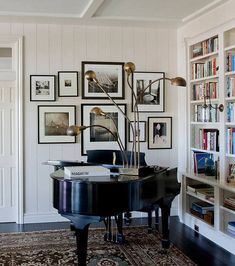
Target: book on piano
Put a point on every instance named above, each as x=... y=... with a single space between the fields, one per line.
x=85 y=171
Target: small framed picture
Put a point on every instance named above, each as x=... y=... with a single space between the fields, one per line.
x=142 y=130
x=150 y=97
x=110 y=76
x=68 y=83
x=42 y=88
x=96 y=137
x=159 y=132
x=53 y=121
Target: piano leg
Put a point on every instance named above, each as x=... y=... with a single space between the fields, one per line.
x=165 y=206
x=82 y=238
x=157 y=218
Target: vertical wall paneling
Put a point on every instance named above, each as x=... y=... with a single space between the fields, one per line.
x=67 y=45
x=52 y=48
x=104 y=36
x=30 y=118
x=92 y=43
x=1 y=187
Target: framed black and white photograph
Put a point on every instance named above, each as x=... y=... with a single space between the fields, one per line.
x=68 y=83
x=53 y=121
x=159 y=132
x=142 y=131
x=150 y=97
x=110 y=76
x=42 y=88
x=98 y=135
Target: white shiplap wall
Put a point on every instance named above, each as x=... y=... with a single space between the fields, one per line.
x=50 y=48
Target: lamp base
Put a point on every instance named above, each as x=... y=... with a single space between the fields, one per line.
x=141 y=171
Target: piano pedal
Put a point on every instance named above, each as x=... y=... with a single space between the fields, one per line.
x=127 y=218
x=108 y=237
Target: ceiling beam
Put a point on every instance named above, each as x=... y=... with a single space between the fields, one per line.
x=91 y=8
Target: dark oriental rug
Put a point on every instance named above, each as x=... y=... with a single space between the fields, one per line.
x=58 y=247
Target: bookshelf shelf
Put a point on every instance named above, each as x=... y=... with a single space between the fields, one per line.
x=216 y=82
x=198 y=197
x=231 y=47
x=204 y=56
x=203 y=79
x=227 y=210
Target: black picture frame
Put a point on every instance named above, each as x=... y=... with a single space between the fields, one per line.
x=87 y=137
x=109 y=74
x=42 y=88
x=67 y=83
x=53 y=121
x=142 y=127
x=153 y=99
x=160 y=132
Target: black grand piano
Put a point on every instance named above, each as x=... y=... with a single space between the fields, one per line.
x=92 y=199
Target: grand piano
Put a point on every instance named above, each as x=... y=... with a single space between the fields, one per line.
x=92 y=199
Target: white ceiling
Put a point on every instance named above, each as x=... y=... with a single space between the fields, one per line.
x=163 y=13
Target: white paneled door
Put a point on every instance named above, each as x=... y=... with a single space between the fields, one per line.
x=8 y=165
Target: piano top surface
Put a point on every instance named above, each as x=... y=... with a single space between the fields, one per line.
x=112 y=178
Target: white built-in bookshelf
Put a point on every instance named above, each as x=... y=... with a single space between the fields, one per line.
x=208 y=186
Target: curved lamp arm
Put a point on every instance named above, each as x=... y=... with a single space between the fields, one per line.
x=76 y=130
x=99 y=112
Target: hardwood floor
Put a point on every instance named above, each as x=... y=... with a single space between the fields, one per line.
x=201 y=250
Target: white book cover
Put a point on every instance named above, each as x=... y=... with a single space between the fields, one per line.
x=85 y=171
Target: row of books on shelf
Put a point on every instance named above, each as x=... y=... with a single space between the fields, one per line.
x=203 y=210
x=202 y=114
x=231 y=112
x=208 y=139
x=231 y=228
x=205 y=69
x=230 y=140
x=205 y=47
x=202 y=191
x=230 y=61
x=205 y=90
x=230 y=86
x=229 y=202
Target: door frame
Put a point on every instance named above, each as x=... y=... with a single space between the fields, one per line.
x=16 y=43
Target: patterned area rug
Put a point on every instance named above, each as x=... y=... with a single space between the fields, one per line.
x=58 y=247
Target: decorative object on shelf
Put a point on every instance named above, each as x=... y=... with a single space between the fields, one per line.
x=129 y=68
x=42 y=88
x=98 y=138
x=142 y=131
x=150 y=96
x=110 y=76
x=53 y=121
x=67 y=83
x=207 y=103
x=159 y=132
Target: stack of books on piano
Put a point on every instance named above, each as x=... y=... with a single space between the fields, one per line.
x=203 y=210
x=230 y=203
x=202 y=191
x=231 y=228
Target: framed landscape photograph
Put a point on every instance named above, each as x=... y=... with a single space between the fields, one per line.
x=100 y=138
x=110 y=76
x=68 y=83
x=142 y=129
x=159 y=132
x=150 y=97
x=42 y=88
x=53 y=121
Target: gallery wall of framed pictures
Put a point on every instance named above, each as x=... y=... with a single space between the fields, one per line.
x=53 y=120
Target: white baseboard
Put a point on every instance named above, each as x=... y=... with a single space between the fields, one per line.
x=51 y=217
x=43 y=218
